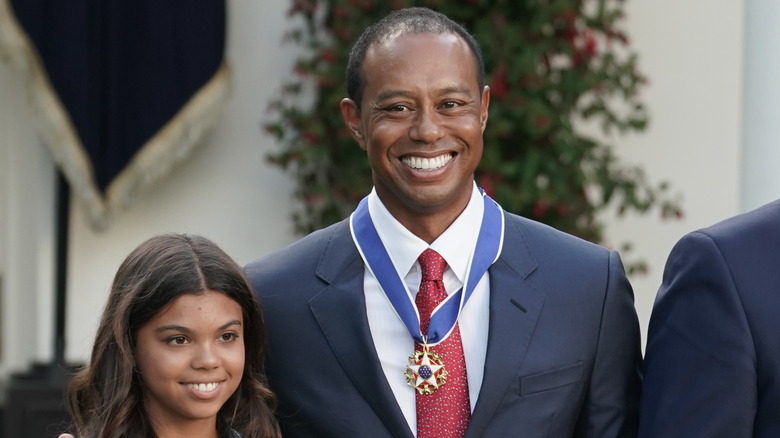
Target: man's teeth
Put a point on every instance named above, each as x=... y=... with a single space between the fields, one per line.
x=427 y=163
x=203 y=387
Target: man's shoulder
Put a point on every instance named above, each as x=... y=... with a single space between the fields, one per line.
x=303 y=252
x=542 y=235
x=760 y=226
x=533 y=246
x=766 y=217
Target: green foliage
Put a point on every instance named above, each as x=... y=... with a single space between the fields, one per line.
x=552 y=65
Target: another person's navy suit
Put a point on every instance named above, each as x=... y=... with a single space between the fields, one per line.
x=713 y=352
x=561 y=351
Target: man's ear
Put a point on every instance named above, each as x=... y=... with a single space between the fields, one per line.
x=351 y=115
x=483 y=108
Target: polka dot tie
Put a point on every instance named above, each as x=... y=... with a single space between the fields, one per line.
x=446 y=412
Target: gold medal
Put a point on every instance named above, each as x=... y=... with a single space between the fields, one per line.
x=425 y=371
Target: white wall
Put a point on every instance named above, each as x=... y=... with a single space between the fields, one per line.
x=26 y=232
x=761 y=154
x=691 y=51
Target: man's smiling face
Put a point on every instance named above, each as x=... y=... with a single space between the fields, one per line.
x=421 y=121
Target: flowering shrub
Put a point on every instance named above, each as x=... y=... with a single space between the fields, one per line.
x=552 y=65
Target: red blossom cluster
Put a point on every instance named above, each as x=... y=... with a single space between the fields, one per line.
x=547 y=63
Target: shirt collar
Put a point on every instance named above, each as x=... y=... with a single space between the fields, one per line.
x=456 y=243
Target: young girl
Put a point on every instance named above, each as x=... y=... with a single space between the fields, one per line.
x=179 y=350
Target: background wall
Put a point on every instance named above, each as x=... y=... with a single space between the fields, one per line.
x=26 y=231
x=693 y=52
x=761 y=152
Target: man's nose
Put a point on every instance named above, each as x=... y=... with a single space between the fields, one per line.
x=427 y=126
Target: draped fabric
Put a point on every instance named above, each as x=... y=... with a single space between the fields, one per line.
x=123 y=89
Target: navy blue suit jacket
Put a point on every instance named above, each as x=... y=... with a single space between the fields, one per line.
x=563 y=356
x=713 y=353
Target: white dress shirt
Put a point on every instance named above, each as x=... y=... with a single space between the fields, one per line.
x=392 y=340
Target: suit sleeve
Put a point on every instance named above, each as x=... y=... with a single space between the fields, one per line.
x=700 y=374
x=612 y=403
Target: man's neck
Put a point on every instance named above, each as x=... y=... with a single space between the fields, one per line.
x=427 y=227
x=427 y=223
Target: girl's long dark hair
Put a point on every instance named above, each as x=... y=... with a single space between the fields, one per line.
x=105 y=398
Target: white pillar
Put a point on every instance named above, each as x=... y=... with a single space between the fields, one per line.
x=26 y=232
x=761 y=116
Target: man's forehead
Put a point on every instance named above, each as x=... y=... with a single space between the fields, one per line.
x=418 y=48
x=390 y=40
x=414 y=61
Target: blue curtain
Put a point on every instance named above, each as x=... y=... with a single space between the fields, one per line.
x=123 y=70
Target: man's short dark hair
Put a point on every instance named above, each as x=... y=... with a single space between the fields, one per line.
x=400 y=22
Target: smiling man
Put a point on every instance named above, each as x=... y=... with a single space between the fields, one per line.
x=431 y=312
x=420 y=118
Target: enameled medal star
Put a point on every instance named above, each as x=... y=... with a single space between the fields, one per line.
x=425 y=372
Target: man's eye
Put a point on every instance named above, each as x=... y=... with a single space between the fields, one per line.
x=449 y=104
x=397 y=108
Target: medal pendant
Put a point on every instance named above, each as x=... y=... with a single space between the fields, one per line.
x=425 y=371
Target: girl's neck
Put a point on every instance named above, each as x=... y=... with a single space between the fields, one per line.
x=206 y=428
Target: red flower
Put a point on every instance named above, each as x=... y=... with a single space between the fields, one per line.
x=539 y=210
x=302 y=6
x=328 y=56
x=542 y=122
x=589 y=48
x=487 y=182
x=499 y=86
x=339 y=12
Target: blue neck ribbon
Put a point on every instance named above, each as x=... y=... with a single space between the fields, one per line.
x=445 y=316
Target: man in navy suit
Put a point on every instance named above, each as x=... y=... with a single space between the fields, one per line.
x=546 y=321
x=713 y=351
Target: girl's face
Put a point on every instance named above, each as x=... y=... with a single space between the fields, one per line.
x=190 y=358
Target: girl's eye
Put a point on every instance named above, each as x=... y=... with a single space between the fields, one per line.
x=227 y=337
x=177 y=340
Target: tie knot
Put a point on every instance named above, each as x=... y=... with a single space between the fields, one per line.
x=432 y=265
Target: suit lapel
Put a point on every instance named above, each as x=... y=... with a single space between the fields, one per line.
x=514 y=310
x=340 y=312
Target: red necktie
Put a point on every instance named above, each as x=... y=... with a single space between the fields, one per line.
x=446 y=412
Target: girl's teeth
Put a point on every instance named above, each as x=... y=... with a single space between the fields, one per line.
x=203 y=387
